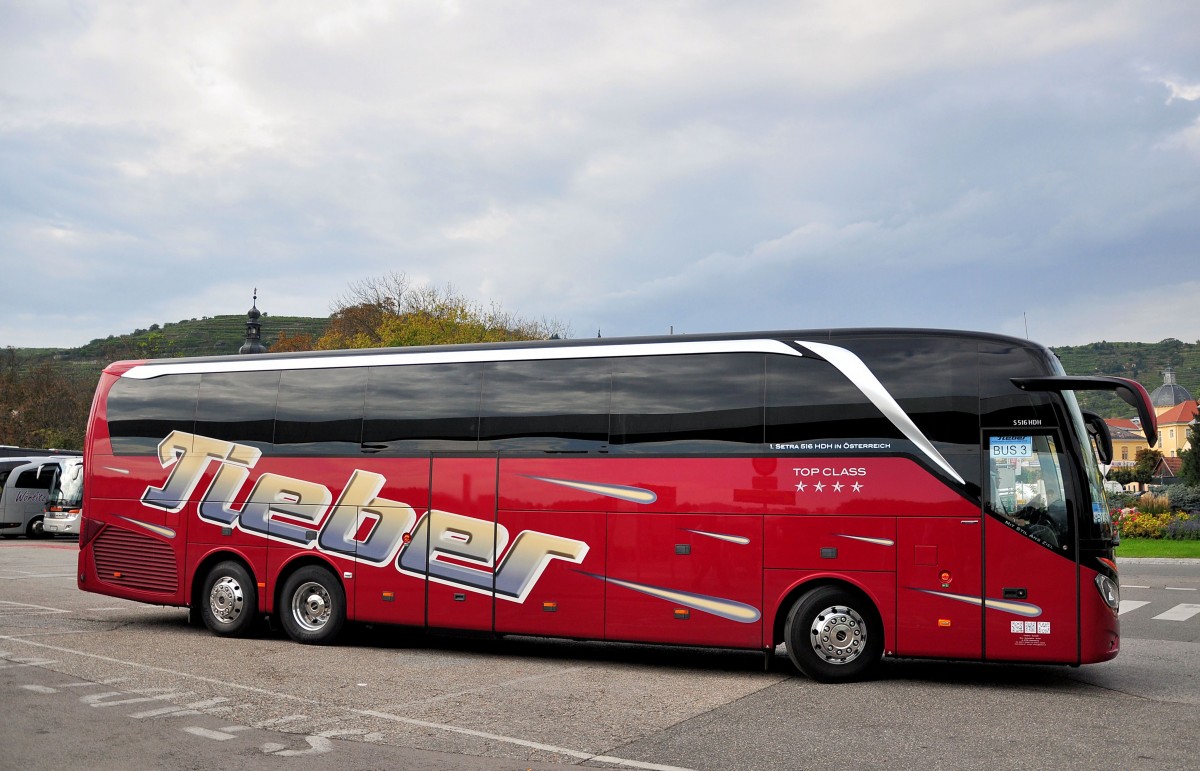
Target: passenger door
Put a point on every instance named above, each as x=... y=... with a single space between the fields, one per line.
x=1030 y=576
x=455 y=543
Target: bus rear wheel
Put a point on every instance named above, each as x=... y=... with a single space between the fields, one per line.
x=314 y=606
x=833 y=635
x=229 y=601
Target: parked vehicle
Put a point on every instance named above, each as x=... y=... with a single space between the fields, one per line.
x=26 y=490
x=851 y=493
x=65 y=503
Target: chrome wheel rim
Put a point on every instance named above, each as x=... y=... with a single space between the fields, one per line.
x=839 y=634
x=311 y=606
x=226 y=600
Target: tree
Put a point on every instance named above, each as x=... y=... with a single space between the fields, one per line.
x=1147 y=464
x=1190 y=470
x=297 y=342
x=44 y=406
x=391 y=311
x=1122 y=476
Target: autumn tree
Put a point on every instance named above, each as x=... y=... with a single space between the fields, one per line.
x=1190 y=470
x=391 y=311
x=293 y=343
x=1147 y=464
x=43 y=406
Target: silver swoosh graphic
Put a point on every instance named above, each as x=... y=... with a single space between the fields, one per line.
x=717 y=606
x=165 y=532
x=740 y=540
x=620 y=492
x=861 y=376
x=1008 y=606
x=865 y=539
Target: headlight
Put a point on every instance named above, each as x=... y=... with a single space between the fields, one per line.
x=1109 y=591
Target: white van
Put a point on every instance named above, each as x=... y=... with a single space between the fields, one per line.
x=26 y=490
x=65 y=504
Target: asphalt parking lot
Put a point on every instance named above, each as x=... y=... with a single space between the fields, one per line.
x=149 y=687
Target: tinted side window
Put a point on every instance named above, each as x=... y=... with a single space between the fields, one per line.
x=320 y=411
x=549 y=406
x=238 y=407
x=421 y=408
x=36 y=479
x=142 y=412
x=810 y=400
x=688 y=403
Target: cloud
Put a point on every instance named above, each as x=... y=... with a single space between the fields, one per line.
x=624 y=166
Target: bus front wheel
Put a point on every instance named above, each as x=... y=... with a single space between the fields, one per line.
x=833 y=635
x=314 y=606
x=229 y=601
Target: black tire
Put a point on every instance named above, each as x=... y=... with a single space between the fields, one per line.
x=313 y=606
x=36 y=529
x=229 y=600
x=833 y=635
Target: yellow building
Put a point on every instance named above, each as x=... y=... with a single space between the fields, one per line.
x=1175 y=410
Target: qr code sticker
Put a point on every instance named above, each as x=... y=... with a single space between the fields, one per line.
x=1043 y=627
x=1016 y=627
x=1030 y=627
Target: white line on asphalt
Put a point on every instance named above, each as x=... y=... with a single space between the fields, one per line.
x=279 y=721
x=521 y=742
x=1180 y=588
x=40 y=688
x=502 y=685
x=1181 y=612
x=209 y=734
x=1133 y=586
x=5 y=604
x=290 y=697
x=1128 y=605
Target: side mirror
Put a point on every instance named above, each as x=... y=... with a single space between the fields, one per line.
x=1098 y=432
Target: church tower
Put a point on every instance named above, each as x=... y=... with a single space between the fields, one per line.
x=253 y=342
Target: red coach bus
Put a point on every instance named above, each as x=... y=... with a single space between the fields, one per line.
x=851 y=493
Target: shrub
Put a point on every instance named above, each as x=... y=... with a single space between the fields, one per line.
x=1185 y=527
x=1132 y=523
x=1154 y=503
x=1185 y=497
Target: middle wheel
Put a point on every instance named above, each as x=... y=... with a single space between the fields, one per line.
x=314 y=606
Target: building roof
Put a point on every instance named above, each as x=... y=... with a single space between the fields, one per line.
x=1184 y=413
x=1124 y=429
x=1169 y=393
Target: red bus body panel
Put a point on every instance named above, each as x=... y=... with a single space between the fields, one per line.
x=691 y=550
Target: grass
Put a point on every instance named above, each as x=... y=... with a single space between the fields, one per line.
x=1158 y=547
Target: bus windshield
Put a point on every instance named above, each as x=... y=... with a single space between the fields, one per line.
x=66 y=489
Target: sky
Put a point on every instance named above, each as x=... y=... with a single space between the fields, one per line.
x=627 y=168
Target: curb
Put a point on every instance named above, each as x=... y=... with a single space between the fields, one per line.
x=1157 y=561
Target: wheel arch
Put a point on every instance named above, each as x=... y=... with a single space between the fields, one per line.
x=805 y=585
x=213 y=558
x=308 y=559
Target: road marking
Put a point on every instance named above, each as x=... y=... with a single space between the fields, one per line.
x=386 y=716
x=206 y=733
x=317 y=745
x=164 y=711
x=1128 y=605
x=521 y=742
x=1181 y=612
x=18 y=607
x=1180 y=588
x=40 y=688
x=1133 y=586
x=279 y=721
x=99 y=699
x=27 y=663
